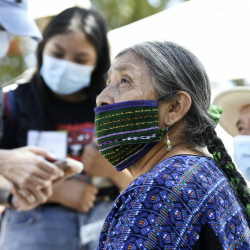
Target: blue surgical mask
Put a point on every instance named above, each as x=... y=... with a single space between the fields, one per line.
x=5 y=38
x=64 y=77
x=242 y=154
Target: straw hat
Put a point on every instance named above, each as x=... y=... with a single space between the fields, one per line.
x=232 y=101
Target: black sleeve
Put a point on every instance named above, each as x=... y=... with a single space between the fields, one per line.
x=208 y=240
x=8 y=140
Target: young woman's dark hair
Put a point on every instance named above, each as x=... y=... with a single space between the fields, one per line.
x=93 y=25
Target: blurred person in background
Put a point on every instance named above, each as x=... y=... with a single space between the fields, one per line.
x=236 y=122
x=22 y=166
x=72 y=60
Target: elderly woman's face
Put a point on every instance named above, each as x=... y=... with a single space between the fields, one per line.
x=128 y=79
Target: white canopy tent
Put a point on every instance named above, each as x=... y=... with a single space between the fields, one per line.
x=44 y=8
x=216 y=31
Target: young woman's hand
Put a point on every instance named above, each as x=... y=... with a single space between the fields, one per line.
x=75 y=194
x=24 y=204
x=26 y=169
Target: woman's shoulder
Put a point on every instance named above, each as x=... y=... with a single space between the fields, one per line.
x=182 y=192
x=192 y=179
x=181 y=169
x=184 y=177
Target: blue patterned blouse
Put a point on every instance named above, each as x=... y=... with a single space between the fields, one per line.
x=173 y=206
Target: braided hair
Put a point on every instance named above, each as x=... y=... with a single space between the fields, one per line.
x=172 y=69
x=216 y=147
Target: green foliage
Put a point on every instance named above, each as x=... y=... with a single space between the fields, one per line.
x=11 y=66
x=122 y=12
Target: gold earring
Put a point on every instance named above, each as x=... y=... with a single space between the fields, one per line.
x=171 y=123
x=169 y=147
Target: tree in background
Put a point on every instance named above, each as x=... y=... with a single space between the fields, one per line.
x=21 y=55
x=13 y=64
x=122 y=12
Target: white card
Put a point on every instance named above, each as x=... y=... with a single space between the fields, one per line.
x=53 y=141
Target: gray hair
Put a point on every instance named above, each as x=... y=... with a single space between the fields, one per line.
x=174 y=69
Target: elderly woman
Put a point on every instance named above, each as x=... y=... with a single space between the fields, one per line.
x=154 y=118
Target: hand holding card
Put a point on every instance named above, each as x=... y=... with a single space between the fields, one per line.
x=69 y=167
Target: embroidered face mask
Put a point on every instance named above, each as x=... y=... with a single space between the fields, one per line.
x=126 y=131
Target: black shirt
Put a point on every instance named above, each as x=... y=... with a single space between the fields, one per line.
x=24 y=111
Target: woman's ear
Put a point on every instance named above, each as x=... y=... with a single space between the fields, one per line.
x=176 y=109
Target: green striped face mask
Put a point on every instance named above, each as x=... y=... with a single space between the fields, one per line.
x=126 y=131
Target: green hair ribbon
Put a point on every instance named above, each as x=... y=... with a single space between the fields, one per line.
x=247 y=193
x=230 y=166
x=215 y=113
x=235 y=182
x=248 y=210
x=217 y=156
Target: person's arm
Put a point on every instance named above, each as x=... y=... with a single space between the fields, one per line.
x=13 y=198
x=96 y=165
x=32 y=175
x=22 y=166
x=25 y=168
x=120 y=179
x=75 y=194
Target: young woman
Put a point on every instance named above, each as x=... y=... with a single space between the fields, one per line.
x=72 y=59
x=154 y=118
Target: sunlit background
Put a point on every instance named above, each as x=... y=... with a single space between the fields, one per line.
x=215 y=30
x=118 y=13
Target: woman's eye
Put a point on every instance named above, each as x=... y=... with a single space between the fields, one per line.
x=124 y=80
x=240 y=129
x=57 y=54
x=81 y=61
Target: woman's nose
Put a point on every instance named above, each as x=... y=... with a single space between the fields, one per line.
x=106 y=97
